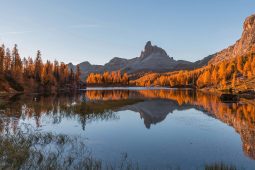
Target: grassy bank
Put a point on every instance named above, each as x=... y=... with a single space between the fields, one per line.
x=51 y=152
x=47 y=151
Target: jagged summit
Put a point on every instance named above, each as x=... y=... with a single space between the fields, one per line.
x=249 y=22
x=148 y=45
x=152 y=58
x=149 y=50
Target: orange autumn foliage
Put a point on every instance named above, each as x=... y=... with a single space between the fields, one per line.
x=219 y=75
x=34 y=73
x=108 y=78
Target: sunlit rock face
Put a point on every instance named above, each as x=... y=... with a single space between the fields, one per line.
x=243 y=46
x=248 y=37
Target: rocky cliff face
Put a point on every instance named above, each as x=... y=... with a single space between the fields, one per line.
x=153 y=50
x=243 y=46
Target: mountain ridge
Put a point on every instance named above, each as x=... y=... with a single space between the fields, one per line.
x=230 y=69
x=151 y=59
x=242 y=46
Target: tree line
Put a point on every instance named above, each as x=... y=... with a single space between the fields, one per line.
x=34 y=74
x=108 y=78
x=227 y=73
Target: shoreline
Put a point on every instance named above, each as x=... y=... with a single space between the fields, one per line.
x=245 y=94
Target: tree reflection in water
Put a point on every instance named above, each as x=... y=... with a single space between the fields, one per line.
x=153 y=106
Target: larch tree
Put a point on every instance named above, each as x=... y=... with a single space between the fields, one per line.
x=247 y=68
x=222 y=74
x=30 y=68
x=233 y=81
x=214 y=77
x=71 y=76
x=56 y=71
x=240 y=64
x=25 y=67
x=17 y=63
x=38 y=67
x=106 y=77
x=7 y=61
x=207 y=77
x=78 y=75
x=2 y=57
x=125 y=79
x=47 y=76
x=253 y=66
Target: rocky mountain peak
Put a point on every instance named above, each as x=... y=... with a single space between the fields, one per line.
x=148 y=46
x=243 y=46
x=249 y=23
x=149 y=50
x=247 y=41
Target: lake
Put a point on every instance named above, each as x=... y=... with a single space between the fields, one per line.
x=143 y=127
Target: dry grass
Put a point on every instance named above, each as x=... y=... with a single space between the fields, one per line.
x=47 y=151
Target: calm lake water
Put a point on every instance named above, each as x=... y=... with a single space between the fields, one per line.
x=154 y=128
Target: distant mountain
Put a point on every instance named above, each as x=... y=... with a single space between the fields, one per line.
x=154 y=59
x=87 y=68
x=151 y=59
x=115 y=64
x=243 y=46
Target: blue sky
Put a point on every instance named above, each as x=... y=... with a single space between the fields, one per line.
x=96 y=31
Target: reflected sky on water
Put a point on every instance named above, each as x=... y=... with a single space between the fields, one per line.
x=160 y=128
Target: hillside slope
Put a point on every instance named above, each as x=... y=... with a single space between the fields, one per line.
x=243 y=46
x=232 y=68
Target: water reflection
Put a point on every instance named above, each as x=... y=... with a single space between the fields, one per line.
x=152 y=105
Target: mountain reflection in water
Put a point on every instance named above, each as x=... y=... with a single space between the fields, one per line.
x=152 y=105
